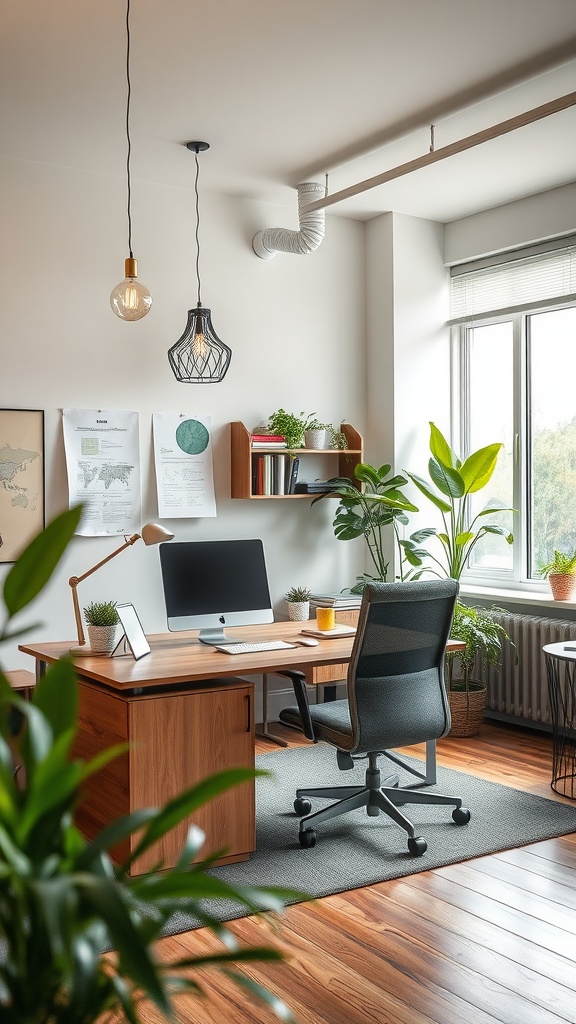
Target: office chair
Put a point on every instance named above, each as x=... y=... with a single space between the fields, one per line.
x=396 y=697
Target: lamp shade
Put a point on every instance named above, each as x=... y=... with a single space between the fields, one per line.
x=199 y=357
x=152 y=533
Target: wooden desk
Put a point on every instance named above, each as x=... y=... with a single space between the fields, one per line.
x=184 y=718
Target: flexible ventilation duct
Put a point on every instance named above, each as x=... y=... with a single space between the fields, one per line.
x=267 y=243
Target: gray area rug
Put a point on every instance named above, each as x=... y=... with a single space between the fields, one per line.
x=355 y=850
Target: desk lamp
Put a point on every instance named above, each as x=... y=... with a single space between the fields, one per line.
x=152 y=533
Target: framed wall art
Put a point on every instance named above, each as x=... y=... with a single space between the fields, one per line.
x=22 y=510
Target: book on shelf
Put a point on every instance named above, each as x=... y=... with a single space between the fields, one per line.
x=292 y=464
x=268 y=441
x=273 y=472
x=315 y=487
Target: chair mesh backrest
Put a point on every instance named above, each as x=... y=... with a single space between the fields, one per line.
x=395 y=679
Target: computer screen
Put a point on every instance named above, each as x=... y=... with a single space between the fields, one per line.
x=211 y=584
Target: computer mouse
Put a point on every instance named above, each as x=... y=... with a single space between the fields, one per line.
x=305 y=641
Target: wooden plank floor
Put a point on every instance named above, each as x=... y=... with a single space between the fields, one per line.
x=489 y=940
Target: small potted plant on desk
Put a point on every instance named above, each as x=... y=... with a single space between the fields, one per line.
x=298 y=600
x=102 y=620
x=561 y=575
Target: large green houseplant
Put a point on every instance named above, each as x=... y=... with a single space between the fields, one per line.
x=369 y=513
x=452 y=481
x=62 y=899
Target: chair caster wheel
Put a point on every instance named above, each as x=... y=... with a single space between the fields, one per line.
x=417 y=846
x=302 y=806
x=461 y=815
x=307 y=838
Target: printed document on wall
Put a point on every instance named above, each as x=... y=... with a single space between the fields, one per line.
x=103 y=464
x=183 y=461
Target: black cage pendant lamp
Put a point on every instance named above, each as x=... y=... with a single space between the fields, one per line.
x=130 y=300
x=199 y=357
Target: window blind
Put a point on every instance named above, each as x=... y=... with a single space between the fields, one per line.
x=521 y=281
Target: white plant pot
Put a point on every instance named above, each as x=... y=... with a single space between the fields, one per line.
x=317 y=439
x=102 y=639
x=298 y=611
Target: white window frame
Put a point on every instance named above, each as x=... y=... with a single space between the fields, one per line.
x=516 y=578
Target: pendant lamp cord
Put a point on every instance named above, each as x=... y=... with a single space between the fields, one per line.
x=197 y=227
x=128 y=140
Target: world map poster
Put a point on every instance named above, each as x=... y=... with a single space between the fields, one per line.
x=21 y=479
x=103 y=466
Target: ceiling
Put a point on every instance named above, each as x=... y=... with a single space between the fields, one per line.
x=290 y=90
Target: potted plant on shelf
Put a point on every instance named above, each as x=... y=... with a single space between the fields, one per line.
x=62 y=899
x=298 y=600
x=291 y=425
x=102 y=620
x=561 y=575
x=324 y=435
x=453 y=480
x=369 y=513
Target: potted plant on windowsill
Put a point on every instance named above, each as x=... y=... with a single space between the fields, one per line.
x=453 y=480
x=560 y=572
x=62 y=899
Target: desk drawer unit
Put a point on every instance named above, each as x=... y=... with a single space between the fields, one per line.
x=176 y=739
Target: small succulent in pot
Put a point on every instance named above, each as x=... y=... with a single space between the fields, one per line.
x=101 y=613
x=297 y=594
x=298 y=599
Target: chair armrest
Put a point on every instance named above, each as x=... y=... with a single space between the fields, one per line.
x=298 y=680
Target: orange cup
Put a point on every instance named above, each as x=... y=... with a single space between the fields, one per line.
x=325 y=618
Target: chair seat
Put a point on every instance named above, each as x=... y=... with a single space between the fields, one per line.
x=331 y=721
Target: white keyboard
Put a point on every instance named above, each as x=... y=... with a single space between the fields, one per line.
x=266 y=645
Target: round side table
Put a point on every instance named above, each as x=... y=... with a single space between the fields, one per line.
x=561 y=670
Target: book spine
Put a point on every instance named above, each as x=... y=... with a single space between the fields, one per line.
x=279 y=474
x=292 y=474
x=267 y=486
x=258 y=474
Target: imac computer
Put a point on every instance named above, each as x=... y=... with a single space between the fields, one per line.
x=210 y=584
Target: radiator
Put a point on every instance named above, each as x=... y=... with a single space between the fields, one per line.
x=519 y=689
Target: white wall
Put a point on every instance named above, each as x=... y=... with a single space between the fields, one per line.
x=295 y=325
x=408 y=382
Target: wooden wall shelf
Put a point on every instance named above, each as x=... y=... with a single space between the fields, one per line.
x=343 y=460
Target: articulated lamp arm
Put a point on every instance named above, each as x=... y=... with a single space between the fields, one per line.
x=75 y=580
x=152 y=533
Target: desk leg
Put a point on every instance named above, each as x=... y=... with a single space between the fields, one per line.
x=264 y=732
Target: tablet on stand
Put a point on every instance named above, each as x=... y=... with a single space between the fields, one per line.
x=134 y=636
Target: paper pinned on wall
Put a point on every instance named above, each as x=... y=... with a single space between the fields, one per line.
x=184 y=468
x=103 y=464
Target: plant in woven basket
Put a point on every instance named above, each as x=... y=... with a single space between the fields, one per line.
x=484 y=639
x=62 y=898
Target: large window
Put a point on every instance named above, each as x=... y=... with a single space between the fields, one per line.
x=515 y=354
